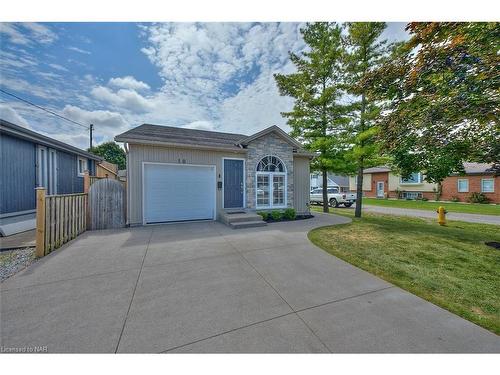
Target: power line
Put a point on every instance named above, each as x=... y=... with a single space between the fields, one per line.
x=44 y=109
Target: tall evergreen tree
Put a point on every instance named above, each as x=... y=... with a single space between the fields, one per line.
x=364 y=53
x=317 y=117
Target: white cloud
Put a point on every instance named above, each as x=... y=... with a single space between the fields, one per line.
x=224 y=69
x=58 y=67
x=27 y=33
x=15 y=36
x=107 y=124
x=200 y=125
x=20 y=85
x=40 y=33
x=125 y=99
x=79 y=50
x=128 y=82
x=8 y=113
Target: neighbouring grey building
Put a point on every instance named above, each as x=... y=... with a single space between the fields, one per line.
x=29 y=160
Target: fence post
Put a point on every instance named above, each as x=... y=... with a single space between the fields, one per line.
x=86 y=189
x=86 y=182
x=40 y=222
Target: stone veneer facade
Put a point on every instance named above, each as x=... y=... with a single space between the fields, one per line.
x=270 y=144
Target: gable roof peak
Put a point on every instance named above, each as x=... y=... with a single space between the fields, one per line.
x=271 y=129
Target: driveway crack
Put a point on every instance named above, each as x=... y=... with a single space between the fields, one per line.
x=133 y=293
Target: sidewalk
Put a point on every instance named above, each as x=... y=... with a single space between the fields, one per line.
x=471 y=218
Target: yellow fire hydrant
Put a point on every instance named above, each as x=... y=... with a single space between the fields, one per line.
x=441 y=215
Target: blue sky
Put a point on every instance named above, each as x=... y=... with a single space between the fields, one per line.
x=215 y=76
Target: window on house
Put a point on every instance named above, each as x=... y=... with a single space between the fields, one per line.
x=270 y=164
x=487 y=185
x=463 y=185
x=414 y=178
x=82 y=166
x=271 y=182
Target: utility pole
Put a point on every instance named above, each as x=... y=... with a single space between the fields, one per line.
x=91 y=128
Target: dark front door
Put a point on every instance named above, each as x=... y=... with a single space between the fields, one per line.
x=233 y=183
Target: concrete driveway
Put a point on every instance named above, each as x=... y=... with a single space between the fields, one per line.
x=203 y=287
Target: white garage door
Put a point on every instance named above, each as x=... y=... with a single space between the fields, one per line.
x=178 y=192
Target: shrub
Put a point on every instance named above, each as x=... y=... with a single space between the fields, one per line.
x=478 y=198
x=425 y=199
x=265 y=215
x=276 y=215
x=289 y=214
x=398 y=193
x=455 y=199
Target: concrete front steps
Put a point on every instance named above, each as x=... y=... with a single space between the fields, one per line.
x=242 y=219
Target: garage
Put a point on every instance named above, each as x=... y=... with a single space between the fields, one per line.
x=178 y=192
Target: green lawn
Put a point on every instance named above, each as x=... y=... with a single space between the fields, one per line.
x=470 y=208
x=449 y=266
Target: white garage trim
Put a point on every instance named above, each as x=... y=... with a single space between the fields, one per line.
x=213 y=167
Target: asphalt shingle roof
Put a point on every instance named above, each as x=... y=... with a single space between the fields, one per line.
x=172 y=134
x=377 y=169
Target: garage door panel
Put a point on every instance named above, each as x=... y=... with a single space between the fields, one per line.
x=178 y=192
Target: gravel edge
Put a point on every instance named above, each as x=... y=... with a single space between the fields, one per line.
x=13 y=261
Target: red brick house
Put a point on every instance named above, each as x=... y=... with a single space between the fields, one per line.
x=478 y=178
x=380 y=182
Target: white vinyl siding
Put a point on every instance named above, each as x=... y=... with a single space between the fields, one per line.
x=487 y=185
x=463 y=185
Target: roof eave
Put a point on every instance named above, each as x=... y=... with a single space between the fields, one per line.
x=20 y=132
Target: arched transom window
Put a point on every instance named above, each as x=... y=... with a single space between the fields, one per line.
x=270 y=164
x=270 y=183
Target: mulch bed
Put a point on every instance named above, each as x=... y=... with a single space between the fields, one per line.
x=298 y=217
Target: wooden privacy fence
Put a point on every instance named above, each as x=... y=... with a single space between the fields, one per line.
x=93 y=179
x=59 y=219
x=107 y=204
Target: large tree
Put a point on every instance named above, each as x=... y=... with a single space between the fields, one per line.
x=442 y=93
x=316 y=87
x=111 y=152
x=365 y=52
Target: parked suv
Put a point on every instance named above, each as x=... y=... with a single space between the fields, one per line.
x=335 y=198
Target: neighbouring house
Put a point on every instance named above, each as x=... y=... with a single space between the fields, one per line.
x=380 y=182
x=478 y=177
x=29 y=160
x=179 y=174
x=334 y=180
x=107 y=170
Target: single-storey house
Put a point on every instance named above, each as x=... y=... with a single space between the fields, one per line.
x=179 y=174
x=29 y=160
x=380 y=182
x=478 y=178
